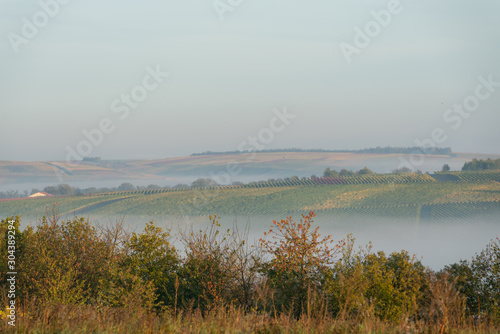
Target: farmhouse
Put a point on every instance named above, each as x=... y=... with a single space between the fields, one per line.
x=41 y=194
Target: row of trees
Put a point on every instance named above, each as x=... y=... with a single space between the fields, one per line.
x=366 y=171
x=67 y=190
x=344 y=172
x=476 y=165
x=378 y=150
x=13 y=194
x=291 y=270
x=481 y=165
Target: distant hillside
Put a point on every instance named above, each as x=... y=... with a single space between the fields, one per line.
x=245 y=168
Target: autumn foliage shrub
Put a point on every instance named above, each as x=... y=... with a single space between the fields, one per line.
x=299 y=258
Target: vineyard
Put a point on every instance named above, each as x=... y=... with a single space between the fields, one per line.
x=478 y=176
x=468 y=176
x=398 y=200
x=409 y=178
x=466 y=210
x=291 y=182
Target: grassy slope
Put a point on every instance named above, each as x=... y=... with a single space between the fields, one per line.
x=40 y=206
x=267 y=200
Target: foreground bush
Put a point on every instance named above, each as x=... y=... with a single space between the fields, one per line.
x=364 y=284
x=299 y=260
x=479 y=281
x=152 y=258
x=106 y=280
x=219 y=269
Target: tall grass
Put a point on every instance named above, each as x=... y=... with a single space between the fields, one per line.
x=60 y=318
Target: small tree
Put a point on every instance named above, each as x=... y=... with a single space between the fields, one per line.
x=365 y=171
x=60 y=190
x=299 y=258
x=201 y=183
x=446 y=168
x=155 y=260
x=402 y=170
x=215 y=269
x=344 y=172
x=479 y=281
x=126 y=186
x=330 y=173
x=486 y=269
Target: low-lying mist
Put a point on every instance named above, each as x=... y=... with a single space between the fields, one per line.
x=435 y=244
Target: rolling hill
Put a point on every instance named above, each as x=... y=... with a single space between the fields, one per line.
x=249 y=167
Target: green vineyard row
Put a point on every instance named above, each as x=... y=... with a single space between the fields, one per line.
x=468 y=176
x=349 y=180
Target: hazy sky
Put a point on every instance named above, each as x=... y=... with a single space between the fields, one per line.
x=80 y=65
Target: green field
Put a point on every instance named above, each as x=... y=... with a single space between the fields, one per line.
x=425 y=199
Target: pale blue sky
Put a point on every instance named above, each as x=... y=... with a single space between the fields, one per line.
x=227 y=76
